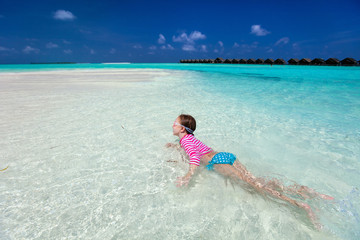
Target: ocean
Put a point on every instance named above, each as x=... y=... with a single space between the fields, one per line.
x=85 y=150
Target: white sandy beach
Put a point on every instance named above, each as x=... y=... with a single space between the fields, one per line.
x=24 y=94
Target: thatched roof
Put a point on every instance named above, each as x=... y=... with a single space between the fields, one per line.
x=235 y=61
x=279 y=61
x=269 y=61
x=332 y=61
x=348 y=62
x=219 y=60
x=293 y=61
x=251 y=61
x=210 y=60
x=259 y=61
x=318 y=61
x=242 y=61
x=228 y=60
x=305 y=61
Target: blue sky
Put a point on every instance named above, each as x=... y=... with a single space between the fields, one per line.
x=167 y=31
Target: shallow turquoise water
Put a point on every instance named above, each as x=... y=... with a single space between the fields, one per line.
x=85 y=156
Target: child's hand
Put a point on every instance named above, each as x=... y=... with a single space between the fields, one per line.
x=181 y=181
x=169 y=145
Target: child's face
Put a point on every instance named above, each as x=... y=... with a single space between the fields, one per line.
x=176 y=127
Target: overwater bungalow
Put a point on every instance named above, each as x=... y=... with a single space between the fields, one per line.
x=210 y=60
x=228 y=60
x=242 y=61
x=332 y=62
x=279 y=61
x=348 y=62
x=293 y=61
x=251 y=61
x=305 y=61
x=219 y=60
x=318 y=61
x=259 y=61
x=269 y=61
x=235 y=61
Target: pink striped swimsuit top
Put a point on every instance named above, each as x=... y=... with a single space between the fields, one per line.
x=194 y=148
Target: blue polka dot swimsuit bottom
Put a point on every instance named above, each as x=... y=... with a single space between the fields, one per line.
x=221 y=158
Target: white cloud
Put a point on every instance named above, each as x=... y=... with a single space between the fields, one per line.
x=112 y=51
x=4 y=49
x=188 y=48
x=137 y=46
x=258 y=31
x=67 y=51
x=249 y=47
x=64 y=15
x=181 y=38
x=161 y=39
x=66 y=42
x=152 y=47
x=167 y=47
x=189 y=40
x=282 y=41
x=203 y=48
x=236 y=45
x=220 y=48
x=92 y=51
x=194 y=36
x=270 y=50
x=29 y=49
x=51 y=45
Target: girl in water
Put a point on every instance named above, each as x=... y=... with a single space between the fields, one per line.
x=226 y=164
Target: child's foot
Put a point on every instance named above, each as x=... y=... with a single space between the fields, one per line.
x=326 y=197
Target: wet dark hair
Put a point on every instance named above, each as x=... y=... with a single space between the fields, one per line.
x=188 y=121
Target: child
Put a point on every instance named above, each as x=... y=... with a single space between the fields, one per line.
x=226 y=164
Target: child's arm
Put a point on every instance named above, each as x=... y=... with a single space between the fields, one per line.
x=185 y=179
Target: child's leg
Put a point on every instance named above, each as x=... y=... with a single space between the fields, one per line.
x=306 y=192
x=239 y=171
